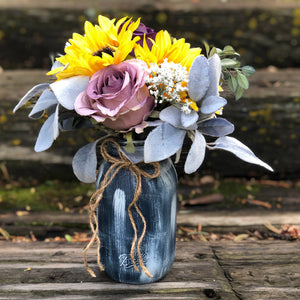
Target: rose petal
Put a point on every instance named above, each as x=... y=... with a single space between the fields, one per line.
x=82 y=105
x=131 y=118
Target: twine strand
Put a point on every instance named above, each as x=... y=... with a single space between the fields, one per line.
x=116 y=165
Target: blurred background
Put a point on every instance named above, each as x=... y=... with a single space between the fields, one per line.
x=266 y=33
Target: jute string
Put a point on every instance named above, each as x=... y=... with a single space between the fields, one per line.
x=118 y=163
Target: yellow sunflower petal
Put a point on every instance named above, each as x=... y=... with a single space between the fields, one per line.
x=100 y=46
x=164 y=47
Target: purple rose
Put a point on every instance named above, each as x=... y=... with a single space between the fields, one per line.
x=144 y=30
x=140 y=32
x=117 y=96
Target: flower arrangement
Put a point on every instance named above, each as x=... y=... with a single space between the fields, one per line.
x=126 y=79
x=132 y=83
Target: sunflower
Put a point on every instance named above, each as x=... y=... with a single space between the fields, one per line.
x=177 y=51
x=102 y=45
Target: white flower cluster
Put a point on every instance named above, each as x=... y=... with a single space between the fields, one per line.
x=185 y=107
x=165 y=82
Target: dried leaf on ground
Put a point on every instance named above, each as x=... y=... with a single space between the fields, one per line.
x=272 y=228
x=260 y=203
x=276 y=183
x=208 y=199
x=292 y=230
x=241 y=237
x=4 y=233
x=21 y=213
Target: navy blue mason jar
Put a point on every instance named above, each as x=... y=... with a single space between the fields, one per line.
x=157 y=204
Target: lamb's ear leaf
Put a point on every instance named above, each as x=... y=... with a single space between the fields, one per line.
x=196 y=154
x=85 y=163
x=190 y=119
x=171 y=115
x=162 y=142
x=198 y=82
x=212 y=104
x=48 y=133
x=240 y=150
x=216 y=127
x=215 y=70
x=67 y=90
x=46 y=100
x=31 y=93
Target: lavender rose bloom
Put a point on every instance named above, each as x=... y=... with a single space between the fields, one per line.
x=117 y=96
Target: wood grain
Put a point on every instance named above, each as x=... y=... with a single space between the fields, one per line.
x=223 y=270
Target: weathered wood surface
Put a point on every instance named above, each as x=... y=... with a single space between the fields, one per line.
x=225 y=270
x=267 y=118
x=266 y=270
x=266 y=32
x=52 y=224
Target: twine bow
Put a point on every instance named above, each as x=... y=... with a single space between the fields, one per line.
x=118 y=163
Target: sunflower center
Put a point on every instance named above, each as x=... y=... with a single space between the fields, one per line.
x=106 y=50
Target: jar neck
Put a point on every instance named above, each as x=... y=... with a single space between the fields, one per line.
x=138 y=146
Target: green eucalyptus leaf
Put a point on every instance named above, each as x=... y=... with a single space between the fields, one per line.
x=242 y=81
x=228 y=62
x=206 y=46
x=212 y=51
x=228 y=48
x=219 y=50
x=248 y=70
x=238 y=64
x=229 y=53
x=232 y=83
x=239 y=93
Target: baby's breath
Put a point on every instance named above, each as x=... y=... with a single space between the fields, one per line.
x=166 y=82
x=186 y=107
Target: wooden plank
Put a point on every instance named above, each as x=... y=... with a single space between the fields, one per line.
x=51 y=224
x=56 y=269
x=244 y=218
x=223 y=270
x=192 y=217
x=261 y=270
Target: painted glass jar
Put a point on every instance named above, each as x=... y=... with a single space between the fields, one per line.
x=155 y=251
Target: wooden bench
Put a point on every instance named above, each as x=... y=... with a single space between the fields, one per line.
x=214 y=270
